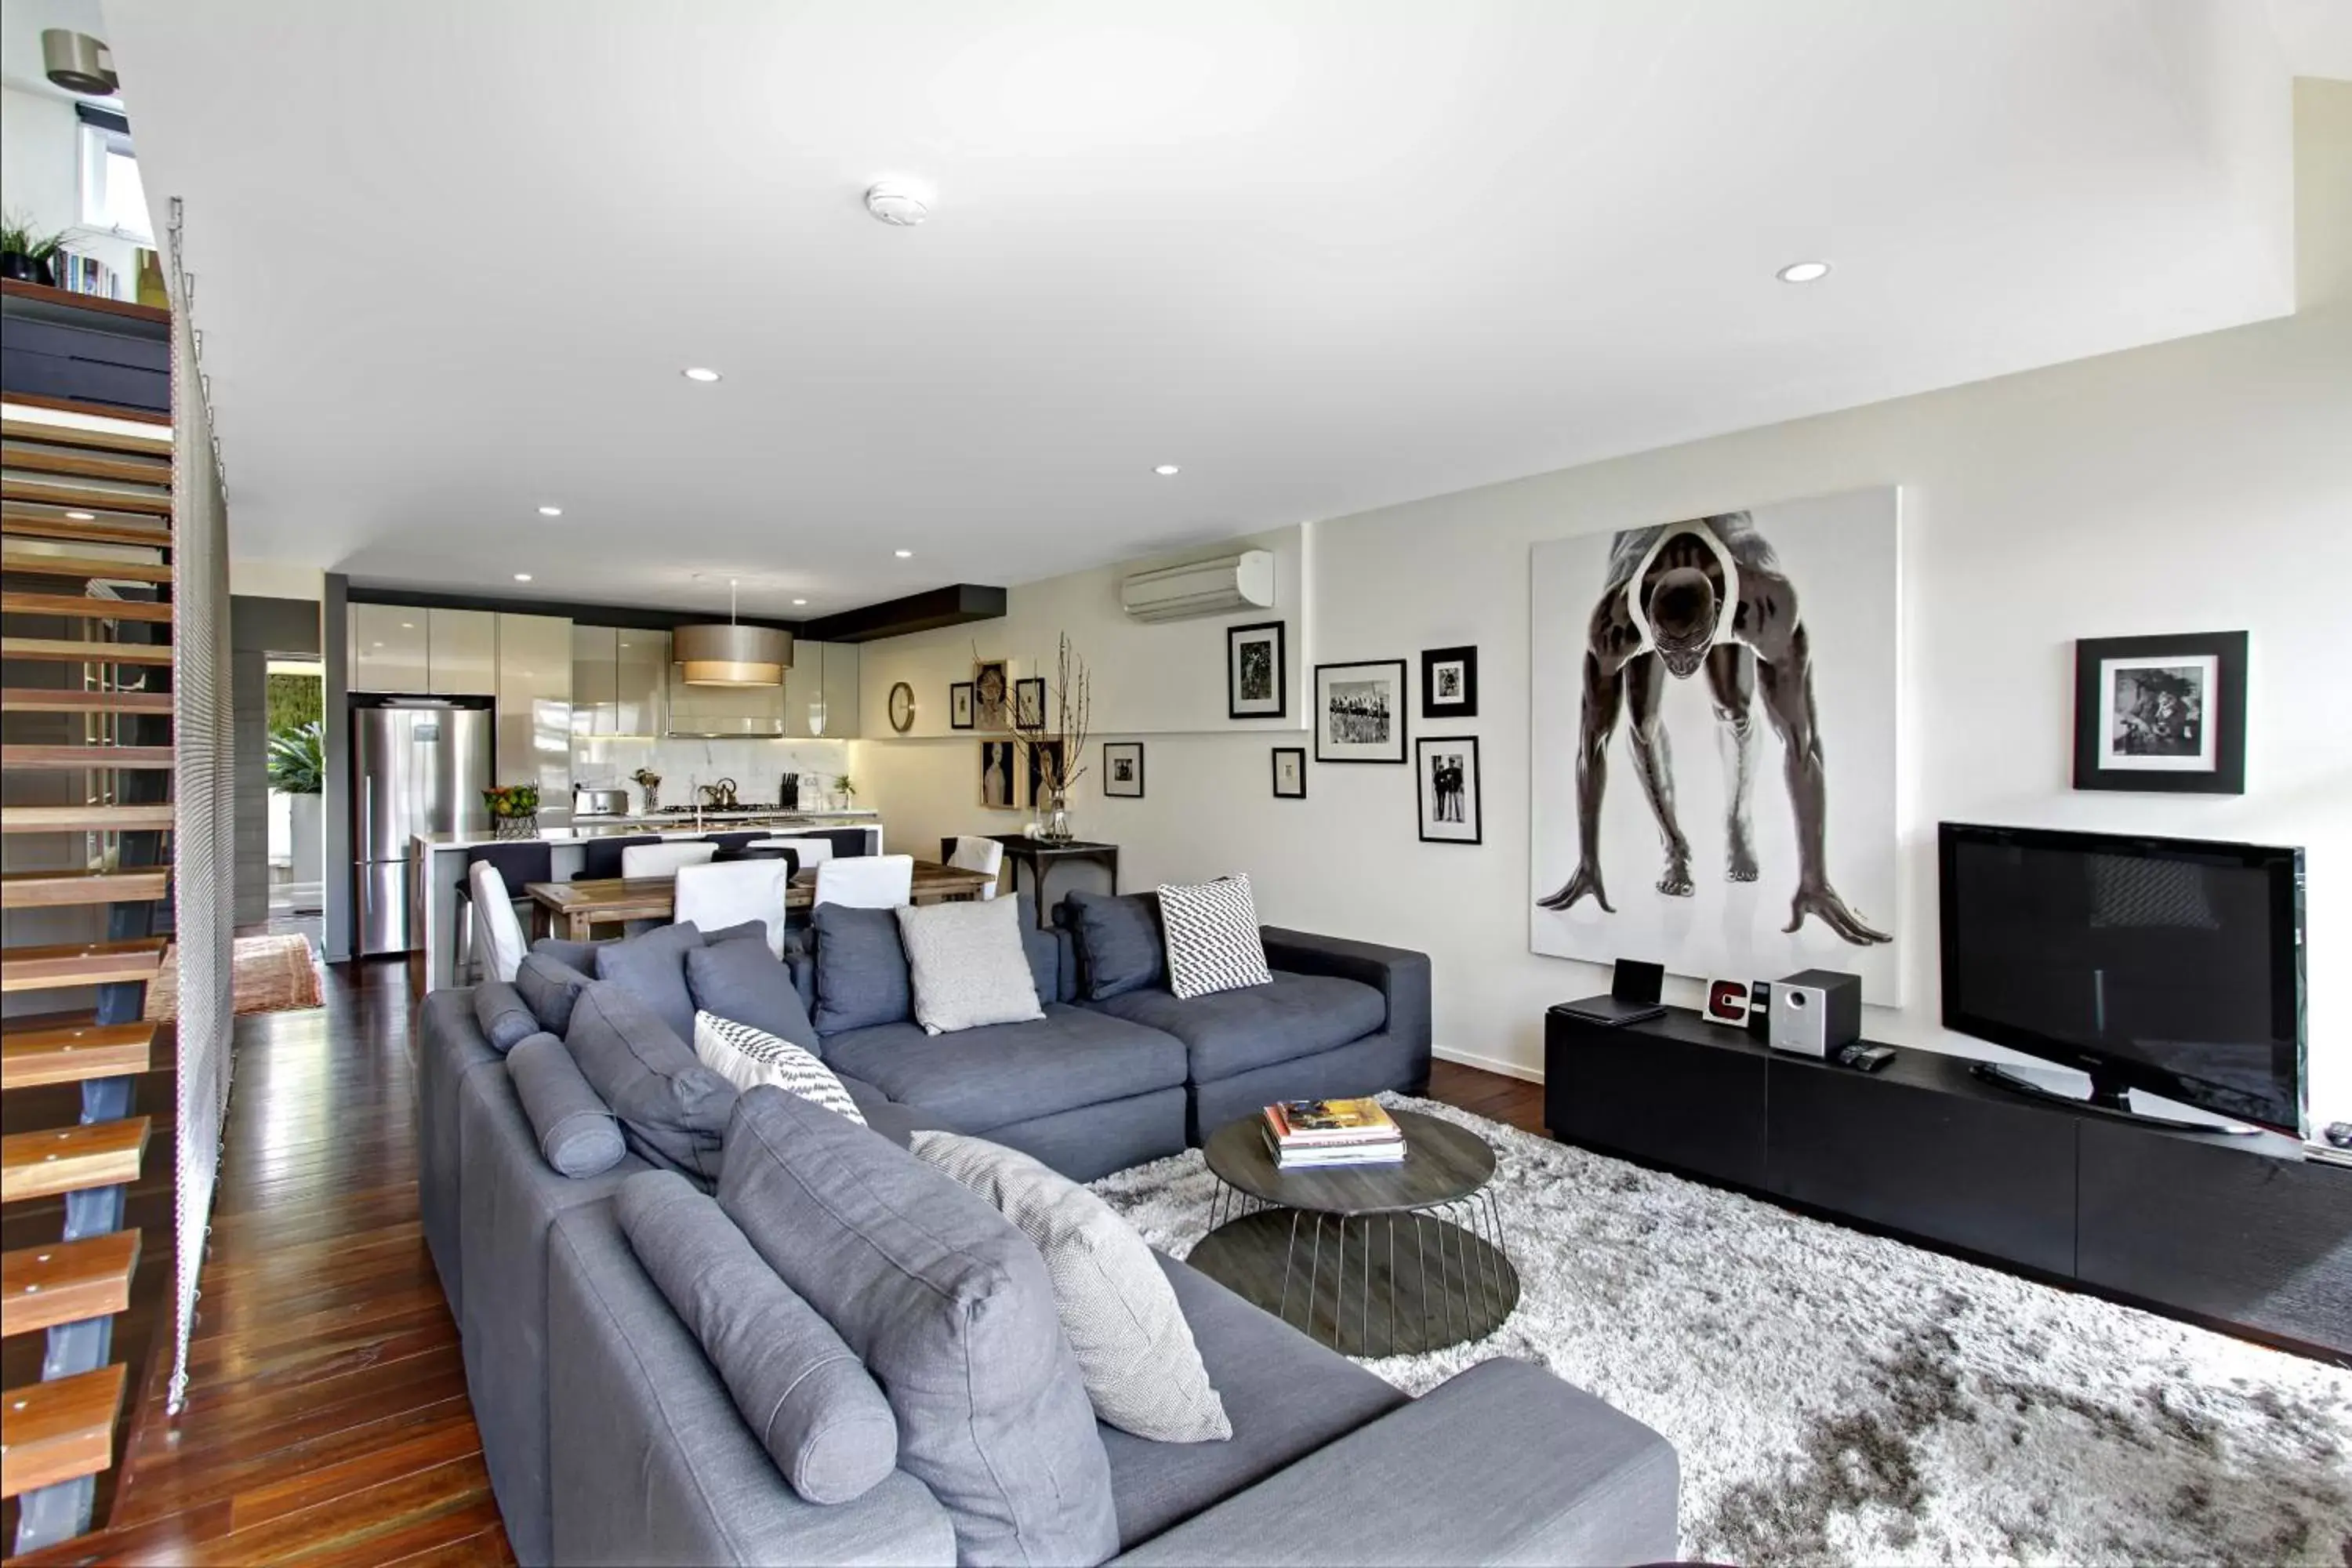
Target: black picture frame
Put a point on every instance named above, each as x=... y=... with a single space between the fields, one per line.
x=998 y=758
x=960 y=704
x=1035 y=756
x=2191 y=718
x=1300 y=753
x=1113 y=753
x=1329 y=750
x=1472 y=791
x=1025 y=691
x=1464 y=706
x=1235 y=637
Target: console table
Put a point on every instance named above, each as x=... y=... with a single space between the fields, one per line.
x=1040 y=858
x=2239 y=1231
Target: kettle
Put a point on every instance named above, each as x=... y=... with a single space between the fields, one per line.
x=720 y=796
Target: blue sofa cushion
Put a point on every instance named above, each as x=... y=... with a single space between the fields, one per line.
x=861 y=969
x=951 y=1310
x=1120 y=948
x=549 y=987
x=577 y=1133
x=739 y=981
x=506 y=1018
x=977 y=1080
x=1231 y=1032
x=652 y=968
x=673 y=1109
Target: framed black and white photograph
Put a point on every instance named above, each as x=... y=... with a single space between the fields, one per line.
x=1290 y=772
x=1258 y=680
x=1029 y=703
x=997 y=777
x=992 y=695
x=1447 y=770
x=959 y=705
x=1123 y=770
x=1360 y=713
x=1042 y=762
x=2165 y=713
x=1449 y=683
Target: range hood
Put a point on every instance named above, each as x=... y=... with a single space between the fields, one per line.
x=731 y=655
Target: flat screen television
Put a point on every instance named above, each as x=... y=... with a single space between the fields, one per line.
x=2169 y=965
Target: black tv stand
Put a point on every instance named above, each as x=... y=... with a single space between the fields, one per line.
x=2107 y=1097
x=2237 y=1232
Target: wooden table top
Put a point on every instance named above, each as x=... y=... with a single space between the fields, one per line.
x=651 y=898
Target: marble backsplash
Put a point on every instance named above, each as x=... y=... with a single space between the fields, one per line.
x=757 y=766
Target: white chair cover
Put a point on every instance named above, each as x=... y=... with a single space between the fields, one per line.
x=717 y=896
x=867 y=881
x=661 y=859
x=984 y=855
x=498 y=944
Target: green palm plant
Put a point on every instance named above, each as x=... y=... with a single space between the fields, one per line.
x=297 y=759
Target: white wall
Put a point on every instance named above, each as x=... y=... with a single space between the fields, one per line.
x=2193 y=486
x=40 y=177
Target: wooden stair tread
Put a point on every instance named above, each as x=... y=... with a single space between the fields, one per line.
x=85 y=818
x=71 y=1159
x=70 y=759
x=74 y=652
x=67 y=1282
x=80 y=465
x=44 y=699
x=89 y=440
x=89 y=607
x=93 y=530
x=84 y=497
x=75 y=1054
x=54 y=967
x=59 y=1430
x=93 y=568
x=51 y=889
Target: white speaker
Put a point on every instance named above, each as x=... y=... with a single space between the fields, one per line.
x=1816 y=1012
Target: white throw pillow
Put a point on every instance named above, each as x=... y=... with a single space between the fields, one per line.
x=1212 y=937
x=748 y=1057
x=967 y=965
x=1135 y=1350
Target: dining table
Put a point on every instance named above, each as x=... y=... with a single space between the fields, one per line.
x=572 y=910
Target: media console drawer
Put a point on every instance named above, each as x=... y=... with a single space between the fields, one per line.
x=1661 y=1091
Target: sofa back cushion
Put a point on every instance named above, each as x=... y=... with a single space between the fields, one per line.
x=506 y=1018
x=1214 y=940
x=1118 y=942
x=949 y=1307
x=673 y=1109
x=967 y=965
x=652 y=968
x=549 y=987
x=799 y=1389
x=576 y=1130
x=861 y=969
x=738 y=981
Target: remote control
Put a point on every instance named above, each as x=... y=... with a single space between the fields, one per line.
x=1868 y=1058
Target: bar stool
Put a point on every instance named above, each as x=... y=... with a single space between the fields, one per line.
x=737 y=840
x=600 y=859
x=523 y=861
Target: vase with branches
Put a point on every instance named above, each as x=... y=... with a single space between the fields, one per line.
x=1055 y=754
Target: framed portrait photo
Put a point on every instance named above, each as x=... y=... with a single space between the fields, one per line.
x=1258 y=679
x=999 y=777
x=1360 y=713
x=992 y=695
x=1447 y=775
x=1449 y=683
x=1122 y=770
x=959 y=705
x=2161 y=713
x=1290 y=772
x=1029 y=703
x=1042 y=769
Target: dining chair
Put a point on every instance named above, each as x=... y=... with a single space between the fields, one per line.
x=520 y=864
x=498 y=934
x=599 y=857
x=984 y=855
x=867 y=882
x=661 y=859
x=720 y=895
x=810 y=851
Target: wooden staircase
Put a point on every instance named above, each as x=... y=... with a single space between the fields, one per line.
x=86 y=774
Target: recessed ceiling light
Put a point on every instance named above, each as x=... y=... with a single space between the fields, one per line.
x=551 y=512
x=800 y=601
x=522 y=576
x=1803 y=272
x=897 y=203
x=1165 y=469
x=408 y=626
x=903 y=554
x=82 y=516
x=697 y=373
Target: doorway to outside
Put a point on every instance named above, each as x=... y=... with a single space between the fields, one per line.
x=297 y=721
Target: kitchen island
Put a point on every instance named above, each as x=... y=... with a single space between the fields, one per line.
x=440 y=860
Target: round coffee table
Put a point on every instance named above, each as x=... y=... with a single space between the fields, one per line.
x=1370 y=1259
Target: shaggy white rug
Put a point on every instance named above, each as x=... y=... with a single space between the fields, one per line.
x=1838 y=1397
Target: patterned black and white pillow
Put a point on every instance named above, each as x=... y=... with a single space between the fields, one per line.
x=1213 y=944
x=748 y=1057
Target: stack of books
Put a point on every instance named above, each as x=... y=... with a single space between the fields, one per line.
x=1315 y=1134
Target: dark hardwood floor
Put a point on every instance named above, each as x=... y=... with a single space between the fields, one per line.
x=327 y=1420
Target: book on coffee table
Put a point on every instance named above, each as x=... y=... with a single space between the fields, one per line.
x=1309 y=1134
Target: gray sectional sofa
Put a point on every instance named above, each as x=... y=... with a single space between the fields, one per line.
x=611 y=1437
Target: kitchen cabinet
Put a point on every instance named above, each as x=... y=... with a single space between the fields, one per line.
x=462 y=651
x=533 y=671
x=641 y=682
x=824 y=672
x=595 y=681
x=389 y=649
x=840 y=702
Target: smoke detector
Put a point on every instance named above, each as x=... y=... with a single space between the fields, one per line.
x=895 y=203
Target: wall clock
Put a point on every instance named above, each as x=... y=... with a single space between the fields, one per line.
x=902 y=707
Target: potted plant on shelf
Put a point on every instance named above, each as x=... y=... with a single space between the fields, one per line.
x=25 y=254
x=297 y=770
x=514 y=810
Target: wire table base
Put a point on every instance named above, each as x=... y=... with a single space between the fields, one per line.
x=1396 y=1283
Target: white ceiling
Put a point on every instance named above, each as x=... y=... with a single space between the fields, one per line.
x=452 y=255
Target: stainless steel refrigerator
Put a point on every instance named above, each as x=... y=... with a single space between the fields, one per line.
x=419 y=764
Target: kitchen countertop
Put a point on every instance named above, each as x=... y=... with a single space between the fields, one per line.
x=587 y=828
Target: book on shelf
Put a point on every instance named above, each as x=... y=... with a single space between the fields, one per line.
x=1298 y=1124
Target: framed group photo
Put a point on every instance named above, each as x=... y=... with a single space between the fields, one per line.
x=1446 y=770
x=2161 y=713
x=1360 y=712
x=1258 y=679
x=1122 y=770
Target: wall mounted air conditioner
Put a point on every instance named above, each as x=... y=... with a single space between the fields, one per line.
x=1244 y=581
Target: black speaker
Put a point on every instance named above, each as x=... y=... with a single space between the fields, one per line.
x=1759 y=1010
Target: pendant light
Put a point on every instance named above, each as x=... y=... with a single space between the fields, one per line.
x=734 y=653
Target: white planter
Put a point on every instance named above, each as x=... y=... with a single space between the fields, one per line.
x=309 y=849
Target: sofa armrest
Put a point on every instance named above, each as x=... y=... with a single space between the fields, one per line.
x=1503 y=1463
x=1399 y=974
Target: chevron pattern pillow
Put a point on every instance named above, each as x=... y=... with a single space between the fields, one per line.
x=1213 y=944
x=747 y=1057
